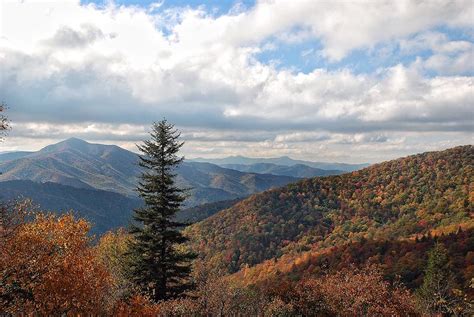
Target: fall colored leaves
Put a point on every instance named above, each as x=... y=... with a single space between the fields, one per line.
x=49 y=265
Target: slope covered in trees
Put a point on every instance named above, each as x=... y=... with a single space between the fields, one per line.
x=388 y=201
x=403 y=260
x=50 y=266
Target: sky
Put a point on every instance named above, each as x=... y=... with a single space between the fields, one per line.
x=346 y=81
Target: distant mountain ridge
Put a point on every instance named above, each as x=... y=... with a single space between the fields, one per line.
x=213 y=183
x=80 y=164
x=298 y=170
x=284 y=161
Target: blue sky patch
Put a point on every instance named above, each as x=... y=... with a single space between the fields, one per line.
x=214 y=6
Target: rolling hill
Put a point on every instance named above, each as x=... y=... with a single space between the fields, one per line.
x=403 y=260
x=403 y=199
x=79 y=164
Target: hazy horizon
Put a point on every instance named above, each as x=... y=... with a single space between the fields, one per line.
x=135 y=150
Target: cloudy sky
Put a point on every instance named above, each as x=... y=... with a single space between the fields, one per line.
x=350 y=81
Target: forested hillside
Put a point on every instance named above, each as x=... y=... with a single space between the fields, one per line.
x=403 y=260
x=395 y=200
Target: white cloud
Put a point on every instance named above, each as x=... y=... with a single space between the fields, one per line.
x=462 y=63
x=346 y=25
x=436 y=41
x=66 y=37
x=449 y=57
x=84 y=70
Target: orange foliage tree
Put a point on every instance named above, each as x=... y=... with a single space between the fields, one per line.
x=48 y=266
x=353 y=292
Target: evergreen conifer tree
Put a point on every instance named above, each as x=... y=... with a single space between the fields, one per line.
x=435 y=294
x=158 y=267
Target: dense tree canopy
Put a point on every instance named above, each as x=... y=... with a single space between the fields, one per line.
x=404 y=198
x=48 y=266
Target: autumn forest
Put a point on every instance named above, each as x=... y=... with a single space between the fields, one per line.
x=392 y=239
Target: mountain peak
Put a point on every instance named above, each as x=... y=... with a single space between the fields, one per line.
x=74 y=141
x=71 y=143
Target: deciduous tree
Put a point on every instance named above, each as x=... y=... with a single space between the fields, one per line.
x=48 y=266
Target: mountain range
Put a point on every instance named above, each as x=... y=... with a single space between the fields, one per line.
x=77 y=175
x=282 y=161
x=79 y=164
x=298 y=170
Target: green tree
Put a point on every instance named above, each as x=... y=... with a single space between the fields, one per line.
x=160 y=267
x=436 y=292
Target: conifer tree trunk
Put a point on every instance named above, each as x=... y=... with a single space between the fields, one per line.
x=158 y=267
